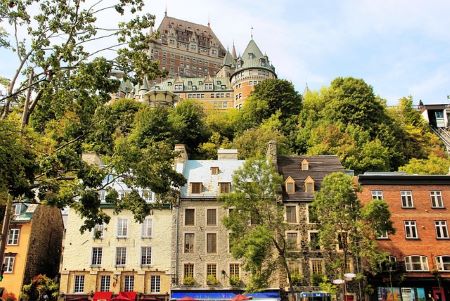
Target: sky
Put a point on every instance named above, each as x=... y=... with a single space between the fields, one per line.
x=399 y=47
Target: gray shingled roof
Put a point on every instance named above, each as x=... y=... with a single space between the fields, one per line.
x=319 y=167
x=253 y=58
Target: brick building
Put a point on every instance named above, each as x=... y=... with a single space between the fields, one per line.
x=419 y=264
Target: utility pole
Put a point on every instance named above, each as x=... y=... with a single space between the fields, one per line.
x=5 y=229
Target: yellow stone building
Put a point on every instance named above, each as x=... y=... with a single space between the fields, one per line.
x=122 y=256
x=25 y=257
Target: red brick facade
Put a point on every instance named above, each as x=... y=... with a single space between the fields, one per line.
x=415 y=208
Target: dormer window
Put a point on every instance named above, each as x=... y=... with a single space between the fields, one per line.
x=309 y=185
x=224 y=187
x=196 y=187
x=189 y=83
x=305 y=165
x=200 y=83
x=214 y=170
x=169 y=83
x=290 y=185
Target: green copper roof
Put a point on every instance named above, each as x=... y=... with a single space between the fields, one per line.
x=253 y=58
x=228 y=59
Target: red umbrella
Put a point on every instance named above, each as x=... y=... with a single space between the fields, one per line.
x=187 y=298
x=240 y=297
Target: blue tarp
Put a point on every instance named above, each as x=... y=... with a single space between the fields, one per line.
x=222 y=295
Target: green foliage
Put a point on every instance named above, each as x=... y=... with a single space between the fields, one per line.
x=188 y=281
x=257 y=222
x=326 y=286
x=433 y=165
x=212 y=280
x=343 y=221
x=40 y=285
x=235 y=281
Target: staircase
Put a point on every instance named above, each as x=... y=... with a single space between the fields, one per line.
x=444 y=135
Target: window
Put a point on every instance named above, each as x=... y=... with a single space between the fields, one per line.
x=147 y=228
x=224 y=187
x=13 y=236
x=407 y=200
x=155 y=284
x=416 y=263
x=17 y=209
x=436 y=199
x=309 y=185
x=188 y=270
x=305 y=165
x=411 y=230
x=389 y=264
x=189 y=242
x=292 y=240
x=314 y=241
x=383 y=235
x=147 y=195
x=377 y=195
x=189 y=217
x=122 y=228
x=234 y=270
x=291 y=214
x=9 y=264
x=290 y=187
x=78 y=284
x=105 y=283
x=196 y=188
x=211 y=242
x=443 y=263
x=96 y=256
x=121 y=256
x=211 y=217
x=146 y=255
x=214 y=170
x=441 y=229
x=316 y=266
x=129 y=283
x=98 y=231
x=342 y=238
x=211 y=270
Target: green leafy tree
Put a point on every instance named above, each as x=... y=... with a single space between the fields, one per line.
x=345 y=224
x=257 y=222
x=433 y=165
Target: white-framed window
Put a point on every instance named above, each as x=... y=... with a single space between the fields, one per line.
x=441 y=229
x=411 y=230
x=121 y=256
x=234 y=270
x=155 y=284
x=129 y=283
x=96 y=256
x=13 y=236
x=407 y=199
x=211 y=216
x=436 y=199
x=105 y=283
x=291 y=214
x=416 y=263
x=383 y=235
x=443 y=263
x=78 y=286
x=147 y=195
x=146 y=255
x=316 y=266
x=9 y=264
x=17 y=209
x=189 y=239
x=98 y=231
x=122 y=227
x=147 y=227
x=377 y=194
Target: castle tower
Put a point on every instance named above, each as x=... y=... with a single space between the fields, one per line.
x=251 y=68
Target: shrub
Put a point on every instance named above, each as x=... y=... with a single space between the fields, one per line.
x=188 y=281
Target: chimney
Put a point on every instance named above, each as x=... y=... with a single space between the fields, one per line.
x=182 y=153
x=271 y=155
x=227 y=154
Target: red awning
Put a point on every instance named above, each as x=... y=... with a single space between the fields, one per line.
x=240 y=297
x=102 y=296
x=127 y=296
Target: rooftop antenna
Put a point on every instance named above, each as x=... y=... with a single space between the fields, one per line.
x=165 y=12
x=251 y=32
x=209 y=21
